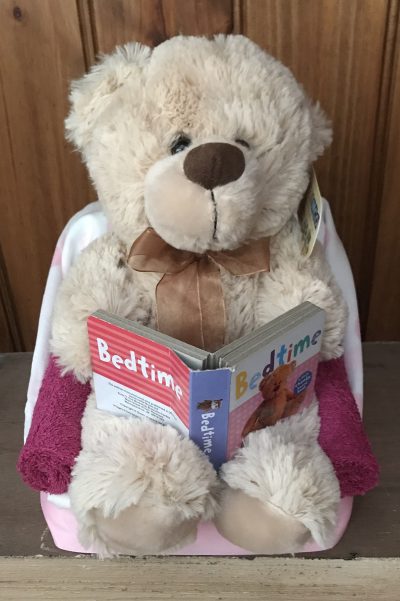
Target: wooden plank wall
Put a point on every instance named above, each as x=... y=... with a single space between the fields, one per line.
x=42 y=183
x=384 y=307
x=345 y=52
x=10 y=339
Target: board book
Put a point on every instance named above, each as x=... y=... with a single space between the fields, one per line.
x=214 y=398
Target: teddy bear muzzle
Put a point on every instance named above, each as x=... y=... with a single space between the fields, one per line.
x=214 y=164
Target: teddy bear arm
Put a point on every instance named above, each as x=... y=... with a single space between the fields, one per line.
x=294 y=279
x=99 y=279
x=328 y=296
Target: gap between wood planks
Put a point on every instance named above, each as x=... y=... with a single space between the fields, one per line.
x=198 y=579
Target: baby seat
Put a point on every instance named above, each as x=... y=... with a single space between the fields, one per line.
x=85 y=226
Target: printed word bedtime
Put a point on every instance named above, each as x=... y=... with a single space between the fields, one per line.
x=286 y=354
x=207 y=432
x=139 y=365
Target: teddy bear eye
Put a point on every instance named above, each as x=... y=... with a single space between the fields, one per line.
x=242 y=142
x=180 y=144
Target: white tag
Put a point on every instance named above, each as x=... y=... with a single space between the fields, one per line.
x=310 y=215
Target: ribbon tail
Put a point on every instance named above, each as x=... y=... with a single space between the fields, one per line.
x=178 y=306
x=213 y=315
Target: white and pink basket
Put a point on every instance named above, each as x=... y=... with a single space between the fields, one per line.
x=87 y=225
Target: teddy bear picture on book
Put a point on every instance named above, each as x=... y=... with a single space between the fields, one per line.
x=200 y=152
x=278 y=401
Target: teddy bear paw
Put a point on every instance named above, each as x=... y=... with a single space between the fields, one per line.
x=143 y=528
x=258 y=526
x=281 y=489
x=139 y=487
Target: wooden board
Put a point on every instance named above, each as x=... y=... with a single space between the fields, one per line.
x=42 y=182
x=152 y=21
x=199 y=579
x=364 y=566
x=10 y=339
x=341 y=50
x=6 y=341
x=384 y=309
x=335 y=48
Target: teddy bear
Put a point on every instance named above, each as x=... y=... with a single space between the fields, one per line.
x=278 y=401
x=198 y=149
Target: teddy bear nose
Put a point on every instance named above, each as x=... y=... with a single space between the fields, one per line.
x=214 y=164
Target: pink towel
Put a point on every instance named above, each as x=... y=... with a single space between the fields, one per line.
x=342 y=435
x=54 y=439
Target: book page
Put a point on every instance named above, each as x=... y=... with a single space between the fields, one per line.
x=137 y=377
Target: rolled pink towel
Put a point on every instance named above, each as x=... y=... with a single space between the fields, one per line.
x=342 y=435
x=54 y=439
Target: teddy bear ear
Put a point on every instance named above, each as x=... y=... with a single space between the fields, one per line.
x=92 y=94
x=321 y=133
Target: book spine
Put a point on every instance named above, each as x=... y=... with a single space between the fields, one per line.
x=209 y=412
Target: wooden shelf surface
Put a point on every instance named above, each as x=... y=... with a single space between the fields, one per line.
x=28 y=557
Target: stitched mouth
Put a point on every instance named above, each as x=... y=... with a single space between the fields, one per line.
x=215 y=216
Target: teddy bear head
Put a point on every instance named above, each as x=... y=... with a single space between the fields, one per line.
x=209 y=142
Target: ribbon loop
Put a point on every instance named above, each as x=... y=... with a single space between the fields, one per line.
x=190 y=300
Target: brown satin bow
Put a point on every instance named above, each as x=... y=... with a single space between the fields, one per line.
x=190 y=301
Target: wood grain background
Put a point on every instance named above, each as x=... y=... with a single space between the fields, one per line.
x=345 y=52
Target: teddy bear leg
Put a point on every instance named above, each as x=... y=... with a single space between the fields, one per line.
x=258 y=526
x=138 y=487
x=281 y=489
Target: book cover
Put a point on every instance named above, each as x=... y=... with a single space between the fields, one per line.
x=268 y=377
x=275 y=381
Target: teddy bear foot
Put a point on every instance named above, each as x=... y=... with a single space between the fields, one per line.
x=145 y=528
x=258 y=527
x=281 y=489
x=138 y=487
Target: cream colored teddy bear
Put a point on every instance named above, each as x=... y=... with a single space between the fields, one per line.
x=210 y=143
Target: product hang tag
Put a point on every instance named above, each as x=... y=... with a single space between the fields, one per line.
x=310 y=215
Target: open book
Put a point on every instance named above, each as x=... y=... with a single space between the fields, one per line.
x=214 y=398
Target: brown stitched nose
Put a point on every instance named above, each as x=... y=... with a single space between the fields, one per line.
x=214 y=164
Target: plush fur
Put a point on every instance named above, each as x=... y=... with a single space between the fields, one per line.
x=126 y=115
x=126 y=462
x=297 y=480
